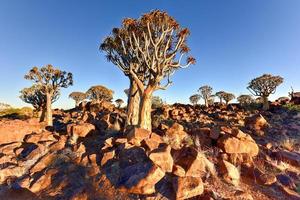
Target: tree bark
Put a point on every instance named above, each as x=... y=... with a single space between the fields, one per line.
x=145 y=110
x=42 y=114
x=49 y=109
x=266 y=105
x=206 y=103
x=133 y=104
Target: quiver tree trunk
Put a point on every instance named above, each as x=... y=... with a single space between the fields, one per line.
x=41 y=114
x=133 y=104
x=145 y=111
x=265 y=103
x=206 y=102
x=49 y=119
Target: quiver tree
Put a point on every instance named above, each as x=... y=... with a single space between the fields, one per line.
x=99 y=93
x=205 y=93
x=194 y=99
x=220 y=94
x=245 y=99
x=157 y=102
x=35 y=96
x=228 y=97
x=154 y=47
x=263 y=86
x=119 y=102
x=77 y=97
x=50 y=80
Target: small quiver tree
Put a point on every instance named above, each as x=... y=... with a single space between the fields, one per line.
x=35 y=96
x=50 y=80
x=205 y=93
x=264 y=86
x=77 y=97
x=99 y=93
x=245 y=100
x=228 y=97
x=194 y=99
x=220 y=94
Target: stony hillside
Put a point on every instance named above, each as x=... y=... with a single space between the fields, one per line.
x=193 y=153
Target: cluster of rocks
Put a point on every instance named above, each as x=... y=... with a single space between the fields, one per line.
x=89 y=154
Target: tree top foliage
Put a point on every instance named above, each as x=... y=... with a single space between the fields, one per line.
x=35 y=96
x=228 y=96
x=205 y=91
x=194 y=98
x=100 y=92
x=264 y=85
x=77 y=96
x=149 y=48
x=50 y=78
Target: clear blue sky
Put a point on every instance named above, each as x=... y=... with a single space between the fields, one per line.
x=233 y=42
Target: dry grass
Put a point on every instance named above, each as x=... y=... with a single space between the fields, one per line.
x=288 y=144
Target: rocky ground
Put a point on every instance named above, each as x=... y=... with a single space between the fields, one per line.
x=192 y=152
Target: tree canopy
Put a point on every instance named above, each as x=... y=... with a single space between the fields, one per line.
x=100 y=93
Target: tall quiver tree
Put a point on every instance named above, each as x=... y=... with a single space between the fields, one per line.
x=50 y=80
x=116 y=48
x=157 y=45
x=35 y=96
x=77 y=97
x=205 y=93
x=264 y=86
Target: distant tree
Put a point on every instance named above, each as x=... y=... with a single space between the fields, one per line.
x=228 y=97
x=154 y=45
x=220 y=94
x=194 y=99
x=37 y=98
x=245 y=99
x=263 y=86
x=157 y=102
x=77 y=97
x=99 y=93
x=211 y=100
x=51 y=80
x=205 y=93
x=119 y=102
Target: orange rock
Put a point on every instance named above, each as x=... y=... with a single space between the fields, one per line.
x=137 y=135
x=153 y=141
x=162 y=158
x=107 y=156
x=15 y=130
x=146 y=185
x=187 y=187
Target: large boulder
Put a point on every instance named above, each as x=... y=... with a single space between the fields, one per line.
x=162 y=158
x=257 y=123
x=238 y=143
x=189 y=162
x=176 y=135
x=137 y=135
x=187 y=187
x=230 y=173
x=80 y=130
x=143 y=178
